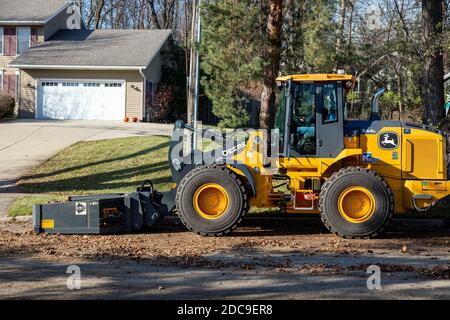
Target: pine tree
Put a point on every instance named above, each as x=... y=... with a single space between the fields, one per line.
x=231 y=44
x=320 y=36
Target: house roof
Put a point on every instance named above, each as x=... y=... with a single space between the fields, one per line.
x=95 y=49
x=29 y=11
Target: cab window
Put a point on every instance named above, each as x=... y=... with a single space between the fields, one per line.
x=303 y=125
x=330 y=108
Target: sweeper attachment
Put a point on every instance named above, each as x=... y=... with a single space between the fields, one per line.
x=102 y=214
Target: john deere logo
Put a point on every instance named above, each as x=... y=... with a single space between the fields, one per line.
x=388 y=140
x=81 y=209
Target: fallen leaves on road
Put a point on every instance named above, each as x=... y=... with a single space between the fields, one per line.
x=247 y=249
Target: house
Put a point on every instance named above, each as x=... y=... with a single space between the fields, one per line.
x=24 y=24
x=67 y=73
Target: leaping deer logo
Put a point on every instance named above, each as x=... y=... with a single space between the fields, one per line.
x=388 y=141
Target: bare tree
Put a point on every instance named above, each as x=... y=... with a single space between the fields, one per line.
x=98 y=11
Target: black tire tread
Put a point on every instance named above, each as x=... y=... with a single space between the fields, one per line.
x=338 y=175
x=238 y=181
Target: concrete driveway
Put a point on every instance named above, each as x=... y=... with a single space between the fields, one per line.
x=27 y=143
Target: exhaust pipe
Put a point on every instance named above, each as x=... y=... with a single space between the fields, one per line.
x=376 y=104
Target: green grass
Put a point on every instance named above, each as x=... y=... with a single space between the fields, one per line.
x=109 y=166
x=22 y=205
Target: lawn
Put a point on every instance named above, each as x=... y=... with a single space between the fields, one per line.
x=109 y=166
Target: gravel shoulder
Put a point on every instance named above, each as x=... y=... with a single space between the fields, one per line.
x=262 y=260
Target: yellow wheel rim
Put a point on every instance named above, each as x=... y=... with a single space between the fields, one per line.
x=211 y=201
x=356 y=204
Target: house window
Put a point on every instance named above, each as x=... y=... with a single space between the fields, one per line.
x=113 y=85
x=91 y=84
x=2 y=41
x=23 y=39
x=70 y=84
x=49 y=84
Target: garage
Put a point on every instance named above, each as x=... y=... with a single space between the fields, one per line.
x=114 y=78
x=81 y=99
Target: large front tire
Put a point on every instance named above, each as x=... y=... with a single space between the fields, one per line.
x=212 y=201
x=356 y=203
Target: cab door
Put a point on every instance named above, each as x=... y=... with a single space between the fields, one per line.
x=303 y=115
x=316 y=120
x=330 y=122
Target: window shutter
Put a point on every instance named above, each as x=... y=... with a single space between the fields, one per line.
x=10 y=85
x=10 y=41
x=6 y=42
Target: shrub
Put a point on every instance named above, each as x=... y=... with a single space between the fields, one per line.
x=7 y=105
x=160 y=107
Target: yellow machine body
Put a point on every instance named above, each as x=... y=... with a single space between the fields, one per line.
x=415 y=170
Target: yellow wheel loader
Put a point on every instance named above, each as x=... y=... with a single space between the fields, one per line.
x=354 y=174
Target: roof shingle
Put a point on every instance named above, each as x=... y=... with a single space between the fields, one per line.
x=36 y=11
x=113 y=48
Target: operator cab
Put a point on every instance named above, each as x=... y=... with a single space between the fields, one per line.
x=311 y=114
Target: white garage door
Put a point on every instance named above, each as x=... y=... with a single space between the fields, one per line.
x=81 y=100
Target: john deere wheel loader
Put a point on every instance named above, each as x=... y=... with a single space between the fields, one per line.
x=354 y=174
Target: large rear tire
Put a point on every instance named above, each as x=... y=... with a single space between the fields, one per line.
x=212 y=201
x=356 y=203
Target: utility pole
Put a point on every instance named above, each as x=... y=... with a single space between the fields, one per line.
x=194 y=69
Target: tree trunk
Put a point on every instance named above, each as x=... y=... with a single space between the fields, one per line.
x=433 y=66
x=350 y=25
x=274 y=30
x=153 y=14
x=341 y=25
x=98 y=12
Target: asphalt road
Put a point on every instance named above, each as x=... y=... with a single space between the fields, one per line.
x=32 y=277
x=262 y=260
